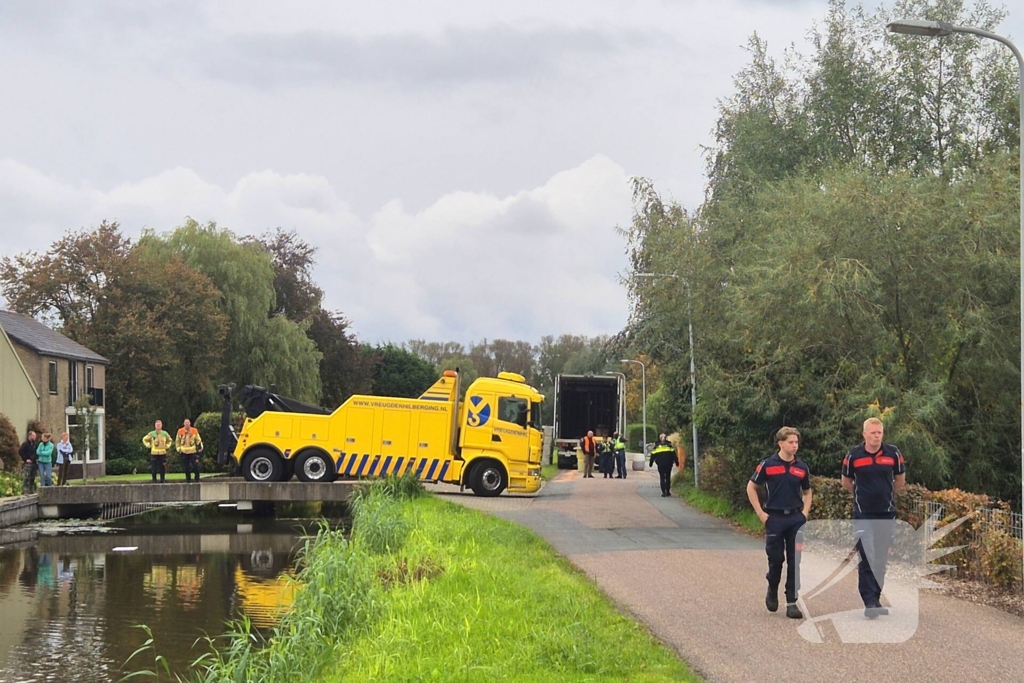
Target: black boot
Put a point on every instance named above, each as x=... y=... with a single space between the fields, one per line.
x=875 y=610
x=771 y=600
x=793 y=612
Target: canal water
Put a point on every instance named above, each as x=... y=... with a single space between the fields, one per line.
x=72 y=598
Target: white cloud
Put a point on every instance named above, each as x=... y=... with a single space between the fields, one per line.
x=469 y=266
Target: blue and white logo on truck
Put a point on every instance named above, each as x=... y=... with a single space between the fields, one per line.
x=479 y=411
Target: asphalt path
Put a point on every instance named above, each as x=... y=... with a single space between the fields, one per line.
x=699 y=586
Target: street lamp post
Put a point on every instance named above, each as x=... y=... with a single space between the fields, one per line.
x=693 y=372
x=643 y=384
x=934 y=29
x=622 y=397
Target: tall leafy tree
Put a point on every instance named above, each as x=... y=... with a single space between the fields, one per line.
x=155 y=318
x=297 y=296
x=553 y=354
x=513 y=356
x=398 y=372
x=435 y=352
x=344 y=369
x=66 y=284
x=161 y=328
x=261 y=347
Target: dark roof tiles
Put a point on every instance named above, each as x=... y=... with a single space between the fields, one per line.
x=44 y=340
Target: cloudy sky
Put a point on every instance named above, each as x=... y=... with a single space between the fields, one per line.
x=461 y=166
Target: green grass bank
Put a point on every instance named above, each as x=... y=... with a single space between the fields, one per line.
x=426 y=590
x=711 y=504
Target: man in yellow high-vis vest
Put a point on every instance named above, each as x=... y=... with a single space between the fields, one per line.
x=189 y=445
x=158 y=442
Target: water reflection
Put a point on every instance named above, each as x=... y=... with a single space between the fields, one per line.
x=69 y=604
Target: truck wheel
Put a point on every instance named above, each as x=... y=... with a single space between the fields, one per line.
x=489 y=479
x=262 y=464
x=314 y=466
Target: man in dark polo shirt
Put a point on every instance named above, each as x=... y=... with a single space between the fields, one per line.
x=873 y=472
x=787 y=483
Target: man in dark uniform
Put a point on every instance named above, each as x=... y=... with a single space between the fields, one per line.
x=664 y=454
x=27 y=451
x=873 y=472
x=787 y=483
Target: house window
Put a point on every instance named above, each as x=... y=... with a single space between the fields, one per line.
x=72 y=381
x=53 y=377
x=89 y=386
x=90 y=447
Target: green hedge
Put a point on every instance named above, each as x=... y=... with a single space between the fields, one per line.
x=9 y=443
x=634 y=432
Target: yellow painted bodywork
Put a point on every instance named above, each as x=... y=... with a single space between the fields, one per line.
x=435 y=436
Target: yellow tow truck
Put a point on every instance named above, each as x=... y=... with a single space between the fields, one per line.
x=489 y=442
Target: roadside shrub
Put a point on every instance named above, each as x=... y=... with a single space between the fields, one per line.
x=830 y=499
x=725 y=474
x=9 y=443
x=208 y=425
x=119 y=466
x=127 y=446
x=634 y=432
x=10 y=484
x=909 y=504
x=1000 y=558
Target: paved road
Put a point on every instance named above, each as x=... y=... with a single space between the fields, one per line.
x=698 y=584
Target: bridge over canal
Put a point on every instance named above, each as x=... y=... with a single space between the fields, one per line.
x=67 y=501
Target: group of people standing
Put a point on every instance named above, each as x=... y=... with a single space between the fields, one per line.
x=187 y=443
x=39 y=455
x=610 y=457
x=873 y=472
x=609 y=454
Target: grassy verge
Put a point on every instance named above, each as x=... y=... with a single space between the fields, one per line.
x=746 y=518
x=548 y=472
x=426 y=590
x=503 y=607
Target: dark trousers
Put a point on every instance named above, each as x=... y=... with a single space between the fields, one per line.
x=620 y=463
x=588 y=464
x=62 y=472
x=607 y=466
x=28 y=477
x=874 y=539
x=190 y=464
x=158 y=465
x=782 y=541
x=665 y=477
